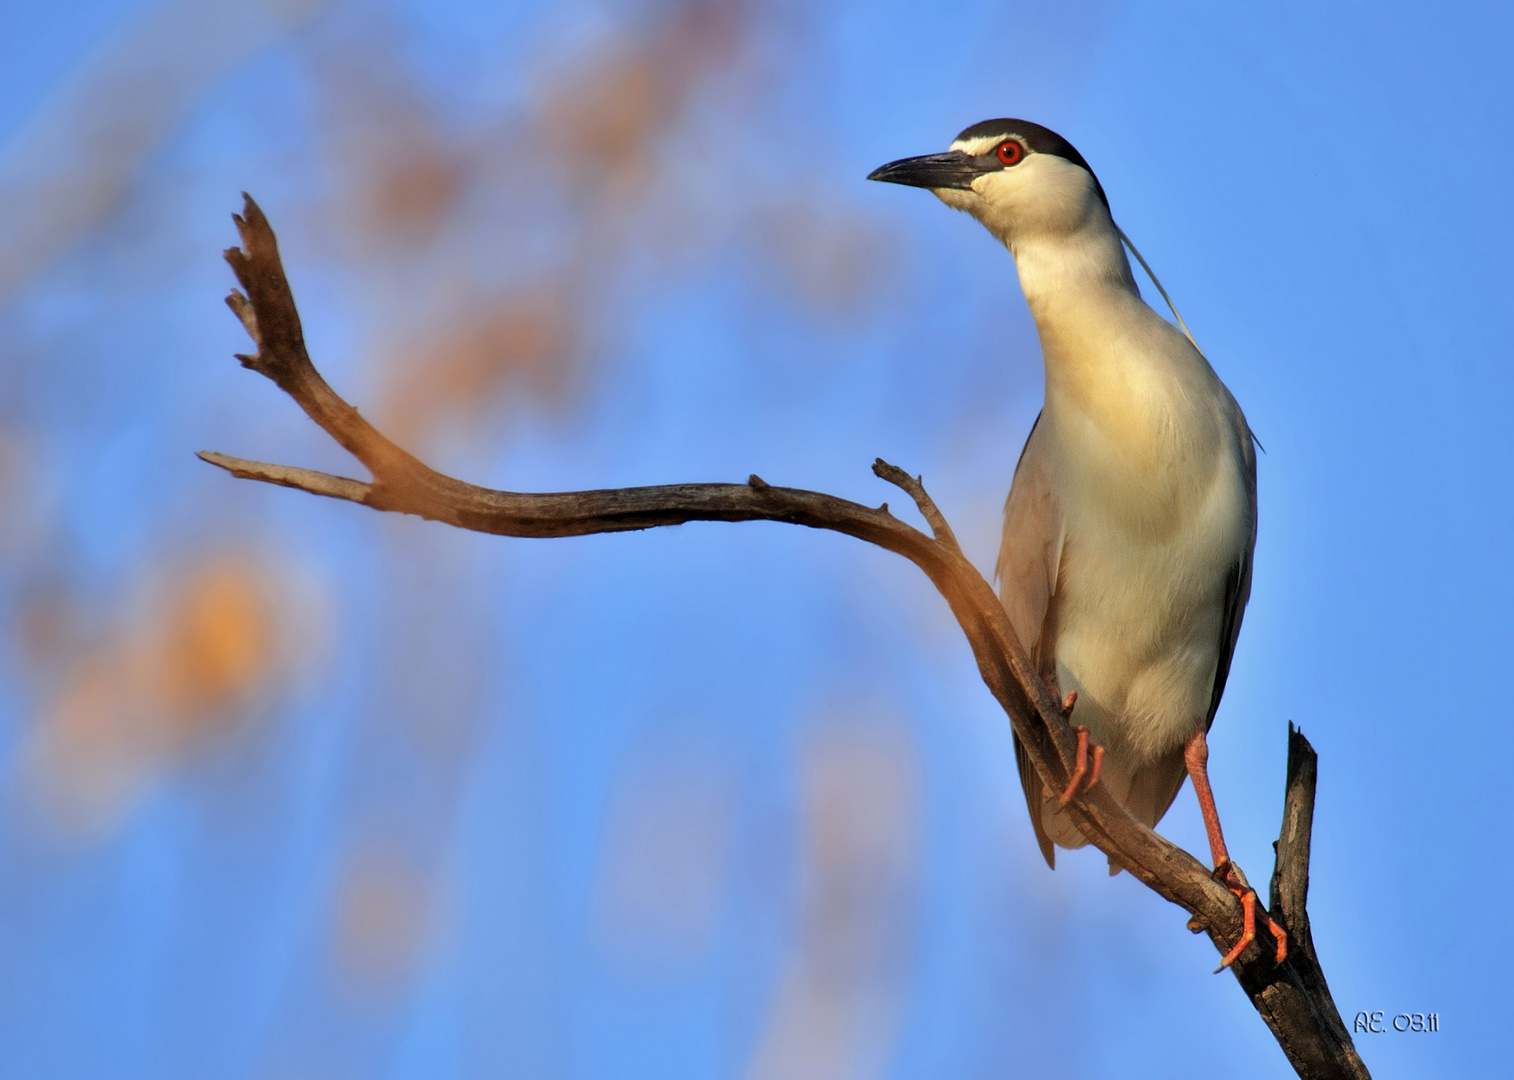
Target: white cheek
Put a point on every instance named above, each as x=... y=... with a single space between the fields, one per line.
x=998 y=205
x=998 y=188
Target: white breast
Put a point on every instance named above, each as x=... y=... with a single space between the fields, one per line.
x=1157 y=512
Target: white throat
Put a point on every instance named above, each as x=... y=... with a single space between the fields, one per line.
x=1095 y=328
x=1062 y=272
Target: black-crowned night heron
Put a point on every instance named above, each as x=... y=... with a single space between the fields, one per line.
x=1128 y=533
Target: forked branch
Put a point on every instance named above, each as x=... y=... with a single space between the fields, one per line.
x=1292 y=997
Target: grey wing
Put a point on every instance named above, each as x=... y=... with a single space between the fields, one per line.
x=1030 y=557
x=1238 y=583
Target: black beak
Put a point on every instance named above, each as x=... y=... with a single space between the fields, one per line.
x=950 y=170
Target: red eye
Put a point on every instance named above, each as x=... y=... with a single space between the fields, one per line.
x=1010 y=152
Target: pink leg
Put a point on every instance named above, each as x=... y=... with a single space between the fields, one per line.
x=1196 y=758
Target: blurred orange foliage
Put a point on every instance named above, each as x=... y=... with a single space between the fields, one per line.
x=187 y=664
x=217 y=644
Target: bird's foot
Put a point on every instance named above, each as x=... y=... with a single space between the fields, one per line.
x=1229 y=875
x=1081 y=767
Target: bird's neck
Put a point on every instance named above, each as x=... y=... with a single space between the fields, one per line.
x=1084 y=299
x=1068 y=276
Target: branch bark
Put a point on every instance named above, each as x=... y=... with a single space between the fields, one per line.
x=1291 y=997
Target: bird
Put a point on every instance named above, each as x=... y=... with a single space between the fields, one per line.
x=1130 y=526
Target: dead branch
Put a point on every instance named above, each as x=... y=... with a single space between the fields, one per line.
x=1291 y=997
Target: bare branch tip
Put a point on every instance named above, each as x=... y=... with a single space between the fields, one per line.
x=914 y=487
x=316 y=483
x=251 y=211
x=254 y=229
x=884 y=471
x=236 y=258
x=231 y=464
x=243 y=309
x=757 y=483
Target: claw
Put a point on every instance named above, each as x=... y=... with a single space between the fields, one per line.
x=1248 y=930
x=1229 y=874
x=1281 y=937
x=1080 y=768
x=1068 y=702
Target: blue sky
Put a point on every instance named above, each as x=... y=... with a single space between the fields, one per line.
x=290 y=789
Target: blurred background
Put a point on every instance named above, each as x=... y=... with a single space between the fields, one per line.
x=292 y=789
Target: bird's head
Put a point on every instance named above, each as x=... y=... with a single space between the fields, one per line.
x=1018 y=178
